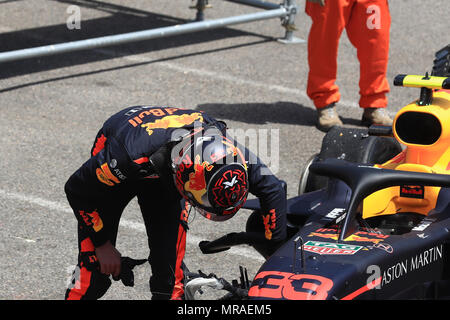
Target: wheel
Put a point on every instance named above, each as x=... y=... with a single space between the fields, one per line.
x=305 y=183
x=350 y=144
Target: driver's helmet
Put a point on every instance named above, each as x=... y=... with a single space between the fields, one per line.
x=210 y=172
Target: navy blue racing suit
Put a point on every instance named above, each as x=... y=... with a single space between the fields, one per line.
x=119 y=169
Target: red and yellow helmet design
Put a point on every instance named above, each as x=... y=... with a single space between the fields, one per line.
x=210 y=172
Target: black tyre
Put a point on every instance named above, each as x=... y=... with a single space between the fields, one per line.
x=441 y=63
x=350 y=144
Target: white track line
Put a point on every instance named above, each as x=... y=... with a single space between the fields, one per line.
x=135 y=226
x=140 y=58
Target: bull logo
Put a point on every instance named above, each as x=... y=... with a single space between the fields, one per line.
x=172 y=121
x=196 y=183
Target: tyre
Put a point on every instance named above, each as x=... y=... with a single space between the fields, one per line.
x=350 y=144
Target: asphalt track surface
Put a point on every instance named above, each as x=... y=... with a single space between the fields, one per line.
x=52 y=107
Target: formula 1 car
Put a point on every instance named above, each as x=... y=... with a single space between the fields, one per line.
x=372 y=218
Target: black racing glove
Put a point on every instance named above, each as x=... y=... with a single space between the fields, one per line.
x=126 y=270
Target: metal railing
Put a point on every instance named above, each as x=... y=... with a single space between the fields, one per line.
x=286 y=11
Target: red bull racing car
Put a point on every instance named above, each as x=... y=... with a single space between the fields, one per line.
x=372 y=218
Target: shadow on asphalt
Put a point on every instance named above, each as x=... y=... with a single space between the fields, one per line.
x=127 y=66
x=282 y=112
x=262 y=113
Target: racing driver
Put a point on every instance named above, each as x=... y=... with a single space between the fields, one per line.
x=171 y=159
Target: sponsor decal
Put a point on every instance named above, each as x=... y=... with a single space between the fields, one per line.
x=426 y=257
x=359 y=236
x=335 y=213
x=416 y=192
x=269 y=221
x=382 y=246
x=117 y=172
x=105 y=175
x=379 y=278
x=373 y=238
x=172 y=121
x=328 y=248
x=92 y=219
x=425 y=223
x=412 y=264
x=147 y=111
x=286 y=285
x=99 y=145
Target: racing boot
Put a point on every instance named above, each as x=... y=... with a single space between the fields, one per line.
x=376 y=116
x=327 y=117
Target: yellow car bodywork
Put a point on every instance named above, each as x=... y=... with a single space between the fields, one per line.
x=429 y=158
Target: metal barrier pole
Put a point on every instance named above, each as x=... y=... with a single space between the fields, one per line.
x=285 y=11
x=138 y=36
x=200 y=6
x=288 y=23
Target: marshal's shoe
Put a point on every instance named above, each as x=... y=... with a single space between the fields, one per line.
x=327 y=118
x=376 y=116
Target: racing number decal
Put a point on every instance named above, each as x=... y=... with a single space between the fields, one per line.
x=291 y=286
